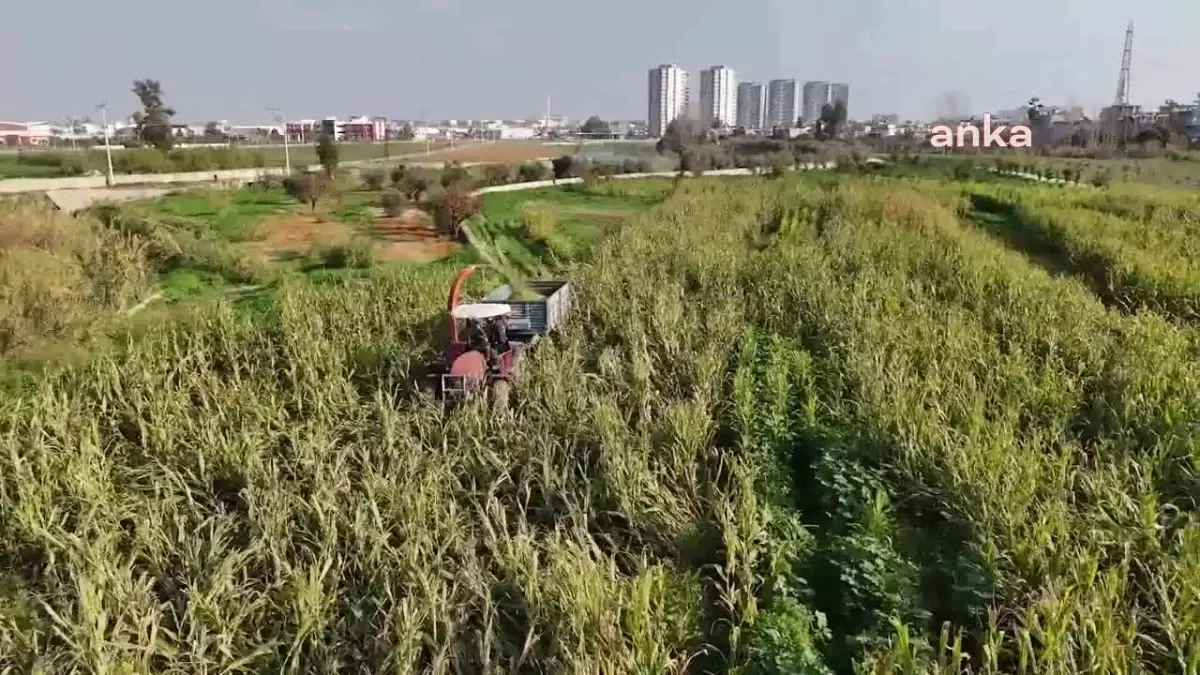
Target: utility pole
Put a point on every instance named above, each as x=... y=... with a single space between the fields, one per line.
x=1121 y=100
x=71 y=123
x=287 y=155
x=103 y=108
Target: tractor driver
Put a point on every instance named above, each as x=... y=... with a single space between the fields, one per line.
x=477 y=340
x=499 y=333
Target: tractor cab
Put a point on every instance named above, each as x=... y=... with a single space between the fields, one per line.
x=480 y=327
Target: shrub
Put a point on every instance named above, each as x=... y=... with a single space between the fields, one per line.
x=397 y=174
x=580 y=168
x=497 y=174
x=413 y=186
x=530 y=172
x=357 y=254
x=454 y=173
x=393 y=202
x=539 y=219
x=373 y=180
x=780 y=162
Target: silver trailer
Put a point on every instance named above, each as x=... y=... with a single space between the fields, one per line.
x=535 y=317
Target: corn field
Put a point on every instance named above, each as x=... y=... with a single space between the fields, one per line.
x=793 y=426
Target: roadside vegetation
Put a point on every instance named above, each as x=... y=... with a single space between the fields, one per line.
x=877 y=421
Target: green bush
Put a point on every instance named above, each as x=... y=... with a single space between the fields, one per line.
x=530 y=172
x=393 y=202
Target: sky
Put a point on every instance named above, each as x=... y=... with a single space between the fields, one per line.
x=232 y=59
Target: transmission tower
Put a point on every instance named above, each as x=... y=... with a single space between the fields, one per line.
x=1121 y=101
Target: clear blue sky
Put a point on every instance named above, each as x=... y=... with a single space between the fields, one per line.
x=227 y=59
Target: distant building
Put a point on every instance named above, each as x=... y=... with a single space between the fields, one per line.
x=839 y=93
x=668 y=94
x=751 y=104
x=781 y=104
x=302 y=131
x=816 y=95
x=361 y=130
x=718 y=96
x=26 y=133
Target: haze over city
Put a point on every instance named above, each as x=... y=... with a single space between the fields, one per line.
x=470 y=58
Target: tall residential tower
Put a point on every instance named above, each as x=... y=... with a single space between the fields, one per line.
x=668 y=97
x=718 y=96
x=750 y=104
x=816 y=95
x=781 y=104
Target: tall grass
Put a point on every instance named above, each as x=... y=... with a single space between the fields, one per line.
x=792 y=426
x=1138 y=244
x=59 y=275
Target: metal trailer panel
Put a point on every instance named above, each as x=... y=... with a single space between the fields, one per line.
x=536 y=316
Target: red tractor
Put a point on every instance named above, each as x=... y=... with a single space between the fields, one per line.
x=488 y=338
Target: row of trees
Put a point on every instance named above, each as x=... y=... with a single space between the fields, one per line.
x=153 y=123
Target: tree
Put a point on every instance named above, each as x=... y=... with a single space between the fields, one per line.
x=153 y=122
x=406 y=133
x=561 y=166
x=681 y=134
x=1038 y=116
x=832 y=120
x=454 y=173
x=213 y=130
x=413 y=186
x=595 y=126
x=397 y=174
x=327 y=153
x=308 y=187
x=453 y=209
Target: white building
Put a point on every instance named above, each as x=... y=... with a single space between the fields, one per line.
x=668 y=97
x=718 y=96
x=781 y=104
x=751 y=104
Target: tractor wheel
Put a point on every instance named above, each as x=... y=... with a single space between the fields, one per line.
x=500 y=391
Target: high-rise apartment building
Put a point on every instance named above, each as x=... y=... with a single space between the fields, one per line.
x=816 y=95
x=668 y=97
x=840 y=93
x=718 y=96
x=751 y=102
x=781 y=104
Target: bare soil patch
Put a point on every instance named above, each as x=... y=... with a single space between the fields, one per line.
x=409 y=237
x=297 y=232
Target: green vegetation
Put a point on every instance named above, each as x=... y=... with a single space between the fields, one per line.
x=877 y=423
x=63 y=163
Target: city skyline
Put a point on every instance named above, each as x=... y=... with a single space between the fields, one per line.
x=471 y=59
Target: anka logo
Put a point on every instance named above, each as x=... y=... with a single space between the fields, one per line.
x=968 y=135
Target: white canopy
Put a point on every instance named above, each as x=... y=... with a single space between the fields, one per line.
x=480 y=310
